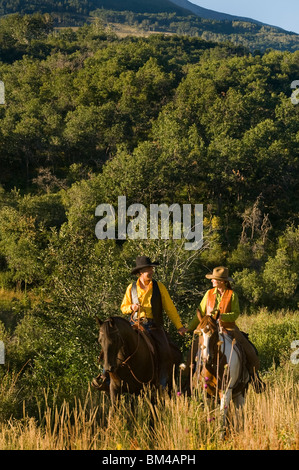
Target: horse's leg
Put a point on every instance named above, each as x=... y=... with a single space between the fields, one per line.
x=114 y=388
x=239 y=402
x=112 y=395
x=225 y=398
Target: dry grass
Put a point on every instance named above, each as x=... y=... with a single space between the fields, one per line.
x=9 y=295
x=124 y=30
x=270 y=421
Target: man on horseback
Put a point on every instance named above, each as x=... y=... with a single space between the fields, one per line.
x=145 y=300
x=221 y=299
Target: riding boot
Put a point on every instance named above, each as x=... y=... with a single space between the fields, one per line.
x=164 y=358
x=252 y=360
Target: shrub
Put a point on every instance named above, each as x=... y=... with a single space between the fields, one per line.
x=272 y=335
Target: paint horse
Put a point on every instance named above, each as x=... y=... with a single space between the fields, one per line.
x=220 y=368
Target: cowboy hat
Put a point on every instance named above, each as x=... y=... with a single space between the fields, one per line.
x=143 y=262
x=220 y=274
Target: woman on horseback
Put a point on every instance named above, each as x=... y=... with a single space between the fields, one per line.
x=222 y=300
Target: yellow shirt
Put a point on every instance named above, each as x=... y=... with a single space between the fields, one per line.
x=144 y=297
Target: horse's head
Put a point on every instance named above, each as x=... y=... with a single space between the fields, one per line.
x=208 y=337
x=110 y=341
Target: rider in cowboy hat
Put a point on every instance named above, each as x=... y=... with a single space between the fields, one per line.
x=145 y=300
x=221 y=299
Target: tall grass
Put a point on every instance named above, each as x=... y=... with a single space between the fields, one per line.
x=269 y=421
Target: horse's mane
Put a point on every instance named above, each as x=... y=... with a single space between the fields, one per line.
x=118 y=319
x=115 y=321
x=207 y=319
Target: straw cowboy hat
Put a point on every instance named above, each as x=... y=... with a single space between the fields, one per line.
x=220 y=274
x=143 y=262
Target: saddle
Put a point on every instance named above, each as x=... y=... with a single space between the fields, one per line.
x=243 y=378
x=139 y=328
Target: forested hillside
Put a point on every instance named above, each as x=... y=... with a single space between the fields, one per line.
x=256 y=37
x=160 y=16
x=84 y=7
x=89 y=117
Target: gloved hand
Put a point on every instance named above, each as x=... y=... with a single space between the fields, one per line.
x=215 y=313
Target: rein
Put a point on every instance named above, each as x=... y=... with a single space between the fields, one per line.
x=125 y=363
x=211 y=374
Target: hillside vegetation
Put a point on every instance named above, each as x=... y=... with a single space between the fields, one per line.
x=90 y=117
x=255 y=36
x=160 y=16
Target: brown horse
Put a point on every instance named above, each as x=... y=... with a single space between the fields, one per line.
x=220 y=369
x=129 y=357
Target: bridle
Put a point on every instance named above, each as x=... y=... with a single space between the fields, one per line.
x=125 y=362
x=202 y=364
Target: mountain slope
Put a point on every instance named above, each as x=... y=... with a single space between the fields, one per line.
x=210 y=14
x=143 y=6
x=181 y=8
x=83 y=7
x=160 y=16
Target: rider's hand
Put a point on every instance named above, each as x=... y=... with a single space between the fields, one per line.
x=215 y=312
x=182 y=331
x=135 y=307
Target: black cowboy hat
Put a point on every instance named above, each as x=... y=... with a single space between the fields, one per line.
x=143 y=262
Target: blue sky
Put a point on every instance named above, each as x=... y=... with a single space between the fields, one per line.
x=284 y=14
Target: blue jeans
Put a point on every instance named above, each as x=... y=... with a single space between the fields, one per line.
x=163 y=350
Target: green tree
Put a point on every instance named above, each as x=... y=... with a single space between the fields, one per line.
x=20 y=244
x=280 y=274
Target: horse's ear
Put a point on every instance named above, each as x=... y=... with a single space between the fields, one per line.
x=199 y=315
x=99 y=322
